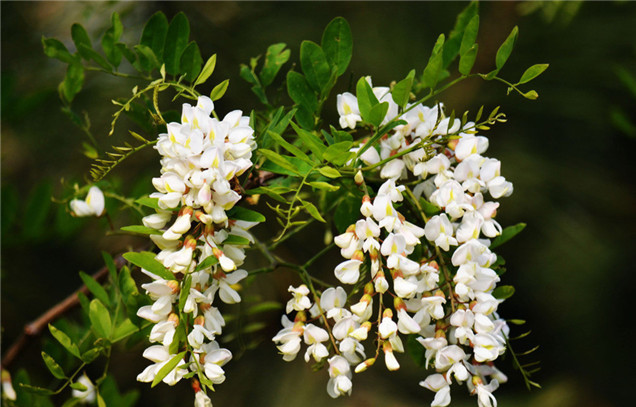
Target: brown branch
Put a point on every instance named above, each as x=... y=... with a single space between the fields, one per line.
x=36 y=327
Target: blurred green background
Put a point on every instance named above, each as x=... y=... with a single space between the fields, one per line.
x=569 y=155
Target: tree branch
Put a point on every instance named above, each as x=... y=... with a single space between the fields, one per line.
x=35 y=328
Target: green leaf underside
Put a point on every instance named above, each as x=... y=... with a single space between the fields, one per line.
x=146 y=260
x=507 y=234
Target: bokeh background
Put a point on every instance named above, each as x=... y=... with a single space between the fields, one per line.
x=570 y=155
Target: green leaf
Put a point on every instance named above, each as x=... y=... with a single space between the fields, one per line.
x=313 y=211
x=339 y=153
x=110 y=265
x=467 y=60
x=314 y=65
x=80 y=37
x=54 y=368
x=207 y=70
x=290 y=147
x=310 y=140
x=110 y=39
x=507 y=234
x=470 y=35
x=126 y=283
x=240 y=213
x=278 y=159
x=176 y=42
x=100 y=319
x=433 y=70
x=167 y=368
x=505 y=49
x=532 y=72
x=236 y=240
x=149 y=202
x=191 y=62
x=95 y=288
x=65 y=341
x=146 y=260
x=378 y=113
x=154 y=34
x=248 y=75
x=219 y=90
x=208 y=262
x=91 y=54
x=429 y=208
x=381 y=132
x=337 y=44
x=532 y=95
x=73 y=81
x=100 y=401
x=324 y=186
x=148 y=61
x=275 y=57
x=453 y=44
x=55 y=49
x=402 y=90
x=78 y=386
x=329 y=172
x=503 y=292
x=90 y=355
x=124 y=330
x=366 y=98
x=142 y=230
x=300 y=92
x=36 y=390
x=185 y=291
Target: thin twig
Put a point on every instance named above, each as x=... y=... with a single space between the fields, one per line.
x=36 y=327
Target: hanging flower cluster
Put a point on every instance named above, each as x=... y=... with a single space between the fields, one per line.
x=201 y=160
x=439 y=289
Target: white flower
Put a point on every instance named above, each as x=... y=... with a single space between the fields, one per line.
x=92 y=206
x=439 y=230
x=348 y=110
x=7 y=387
x=160 y=355
x=439 y=385
x=202 y=400
x=85 y=396
x=348 y=271
x=300 y=301
x=339 y=377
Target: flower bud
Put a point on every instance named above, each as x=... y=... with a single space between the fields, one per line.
x=388 y=313
x=365 y=365
x=358 y=178
x=399 y=304
x=190 y=242
x=200 y=320
x=174 y=286
x=368 y=288
x=358 y=255
x=174 y=318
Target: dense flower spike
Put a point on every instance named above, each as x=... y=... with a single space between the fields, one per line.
x=434 y=281
x=202 y=247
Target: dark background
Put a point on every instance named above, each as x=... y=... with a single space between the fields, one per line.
x=570 y=159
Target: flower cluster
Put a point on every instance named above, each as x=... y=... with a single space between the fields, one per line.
x=203 y=247
x=438 y=289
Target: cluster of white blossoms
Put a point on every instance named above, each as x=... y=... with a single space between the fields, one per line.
x=441 y=291
x=202 y=247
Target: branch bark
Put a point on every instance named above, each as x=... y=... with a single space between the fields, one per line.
x=35 y=328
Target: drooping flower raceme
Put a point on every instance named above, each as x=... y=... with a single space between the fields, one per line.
x=201 y=242
x=435 y=279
